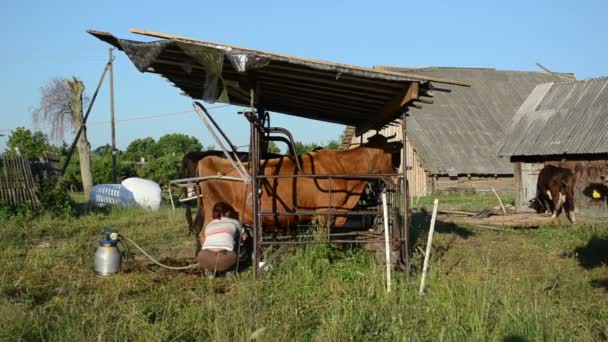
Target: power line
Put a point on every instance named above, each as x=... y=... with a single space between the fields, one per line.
x=134 y=118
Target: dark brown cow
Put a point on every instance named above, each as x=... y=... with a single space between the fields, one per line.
x=188 y=170
x=555 y=190
x=286 y=194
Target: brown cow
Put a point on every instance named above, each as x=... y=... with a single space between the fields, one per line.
x=555 y=190
x=286 y=194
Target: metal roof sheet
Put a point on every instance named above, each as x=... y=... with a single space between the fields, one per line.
x=332 y=92
x=456 y=135
x=560 y=118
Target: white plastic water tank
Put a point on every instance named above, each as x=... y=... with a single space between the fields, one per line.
x=111 y=194
x=146 y=193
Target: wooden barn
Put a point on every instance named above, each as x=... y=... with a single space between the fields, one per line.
x=564 y=124
x=452 y=144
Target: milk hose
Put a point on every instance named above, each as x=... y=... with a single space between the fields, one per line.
x=156 y=261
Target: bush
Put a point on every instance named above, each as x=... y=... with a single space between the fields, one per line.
x=54 y=197
x=102 y=169
x=6 y=211
x=162 y=169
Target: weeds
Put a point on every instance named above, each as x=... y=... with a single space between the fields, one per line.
x=527 y=285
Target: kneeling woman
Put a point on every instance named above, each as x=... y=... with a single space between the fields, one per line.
x=217 y=253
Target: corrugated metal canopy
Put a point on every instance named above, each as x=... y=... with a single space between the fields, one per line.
x=562 y=118
x=361 y=97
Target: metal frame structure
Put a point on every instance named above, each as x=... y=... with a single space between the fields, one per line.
x=259 y=133
x=257 y=118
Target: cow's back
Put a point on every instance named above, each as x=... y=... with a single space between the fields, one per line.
x=286 y=194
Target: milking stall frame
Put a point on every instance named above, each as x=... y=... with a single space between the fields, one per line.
x=365 y=98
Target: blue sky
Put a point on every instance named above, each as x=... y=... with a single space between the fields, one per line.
x=44 y=39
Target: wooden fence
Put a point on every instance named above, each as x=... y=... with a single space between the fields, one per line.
x=16 y=182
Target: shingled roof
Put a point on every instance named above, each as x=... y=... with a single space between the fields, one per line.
x=457 y=134
x=561 y=118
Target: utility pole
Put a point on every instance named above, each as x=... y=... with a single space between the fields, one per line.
x=114 y=164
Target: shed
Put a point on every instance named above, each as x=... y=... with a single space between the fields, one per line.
x=453 y=140
x=563 y=124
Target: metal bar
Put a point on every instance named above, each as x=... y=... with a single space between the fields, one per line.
x=272 y=257
x=427 y=254
x=194 y=180
x=171 y=198
x=387 y=249
x=313 y=242
x=114 y=162
x=292 y=146
x=232 y=146
x=318 y=212
x=240 y=169
x=337 y=175
x=283 y=237
x=330 y=210
x=181 y=200
x=254 y=157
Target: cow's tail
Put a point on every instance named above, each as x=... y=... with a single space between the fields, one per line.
x=197 y=225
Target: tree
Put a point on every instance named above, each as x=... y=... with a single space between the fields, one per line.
x=302 y=148
x=141 y=148
x=103 y=150
x=162 y=169
x=61 y=103
x=102 y=169
x=333 y=145
x=177 y=143
x=28 y=143
x=273 y=148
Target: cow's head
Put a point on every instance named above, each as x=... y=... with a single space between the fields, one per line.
x=393 y=148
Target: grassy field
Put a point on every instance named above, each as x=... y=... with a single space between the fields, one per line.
x=546 y=284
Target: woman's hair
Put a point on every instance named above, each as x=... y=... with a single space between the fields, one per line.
x=223 y=209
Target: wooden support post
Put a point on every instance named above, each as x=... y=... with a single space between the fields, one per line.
x=518 y=187
x=405 y=229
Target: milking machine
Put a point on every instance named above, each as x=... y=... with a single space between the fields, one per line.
x=109 y=257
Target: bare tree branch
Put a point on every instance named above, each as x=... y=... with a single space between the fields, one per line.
x=53 y=112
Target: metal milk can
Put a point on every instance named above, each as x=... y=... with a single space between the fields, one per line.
x=108 y=257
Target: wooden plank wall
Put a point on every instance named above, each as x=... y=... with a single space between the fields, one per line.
x=420 y=181
x=16 y=182
x=587 y=178
x=417 y=175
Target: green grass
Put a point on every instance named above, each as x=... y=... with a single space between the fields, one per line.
x=464 y=201
x=546 y=284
